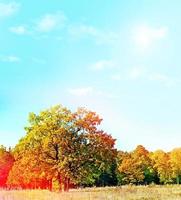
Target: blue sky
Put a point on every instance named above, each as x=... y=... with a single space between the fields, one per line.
x=119 y=58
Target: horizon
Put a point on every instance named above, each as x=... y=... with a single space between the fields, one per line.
x=118 y=59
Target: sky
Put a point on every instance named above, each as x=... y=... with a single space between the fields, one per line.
x=118 y=58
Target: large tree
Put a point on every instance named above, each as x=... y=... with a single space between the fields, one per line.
x=67 y=147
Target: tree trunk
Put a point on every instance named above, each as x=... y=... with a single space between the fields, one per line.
x=66 y=184
x=50 y=185
x=178 y=180
x=56 y=184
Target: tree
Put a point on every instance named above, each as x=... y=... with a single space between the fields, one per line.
x=142 y=156
x=136 y=167
x=26 y=173
x=131 y=171
x=175 y=162
x=161 y=164
x=119 y=172
x=6 y=163
x=67 y=146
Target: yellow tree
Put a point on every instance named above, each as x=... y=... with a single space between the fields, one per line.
x=161 y=163
x=136 y=167
x=175 y=159
x=131 y=170
x=141 y=154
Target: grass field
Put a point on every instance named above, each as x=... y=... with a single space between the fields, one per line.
x=119 y=193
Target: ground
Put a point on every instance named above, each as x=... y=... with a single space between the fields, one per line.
x=169 y=192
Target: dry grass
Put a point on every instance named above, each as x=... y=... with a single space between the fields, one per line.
x=170 y=192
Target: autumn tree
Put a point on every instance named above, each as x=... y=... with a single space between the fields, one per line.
x=6 y=163
x=67 y=146
x=131 y=171
x=162 y=165
x=175 y=162
x=121 y=156
x=136 y=167
x=26 y=173
x=142 y=155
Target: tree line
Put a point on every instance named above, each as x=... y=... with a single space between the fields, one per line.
x=63 y=149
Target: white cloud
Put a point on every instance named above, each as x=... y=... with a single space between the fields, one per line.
x=10 y=58
x=91 y=92
x=158 y=77
x=20 y=30
x=83 y=29
x=50 y=22
x=116 y=77
x=45 y=24
x=136 y=73
x=141 y=72
x=145 y=36
x=102 y=64
x=81 y=91
x=86 y=31
x=168 y=81
x=8 y=9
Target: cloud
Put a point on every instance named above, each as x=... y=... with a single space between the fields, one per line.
x=45 y=24
x=136 y=72
x=50 y=22
x=145 y=36
x=91 y=92
x=11 y=59
x=81 y=91
x=8 y=9
x=141 y=72
x=90 y=32
x=116 y=77
x=83 y=29
x=168 y=81
x=19 y=30
x=102 y=64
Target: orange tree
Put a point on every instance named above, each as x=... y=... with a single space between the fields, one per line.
x=136 y=167
x=6 y=163
x=66 y=147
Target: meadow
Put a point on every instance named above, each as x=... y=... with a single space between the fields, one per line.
x=153 y=192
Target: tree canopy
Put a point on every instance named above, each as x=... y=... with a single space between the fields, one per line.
x=63 y=146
